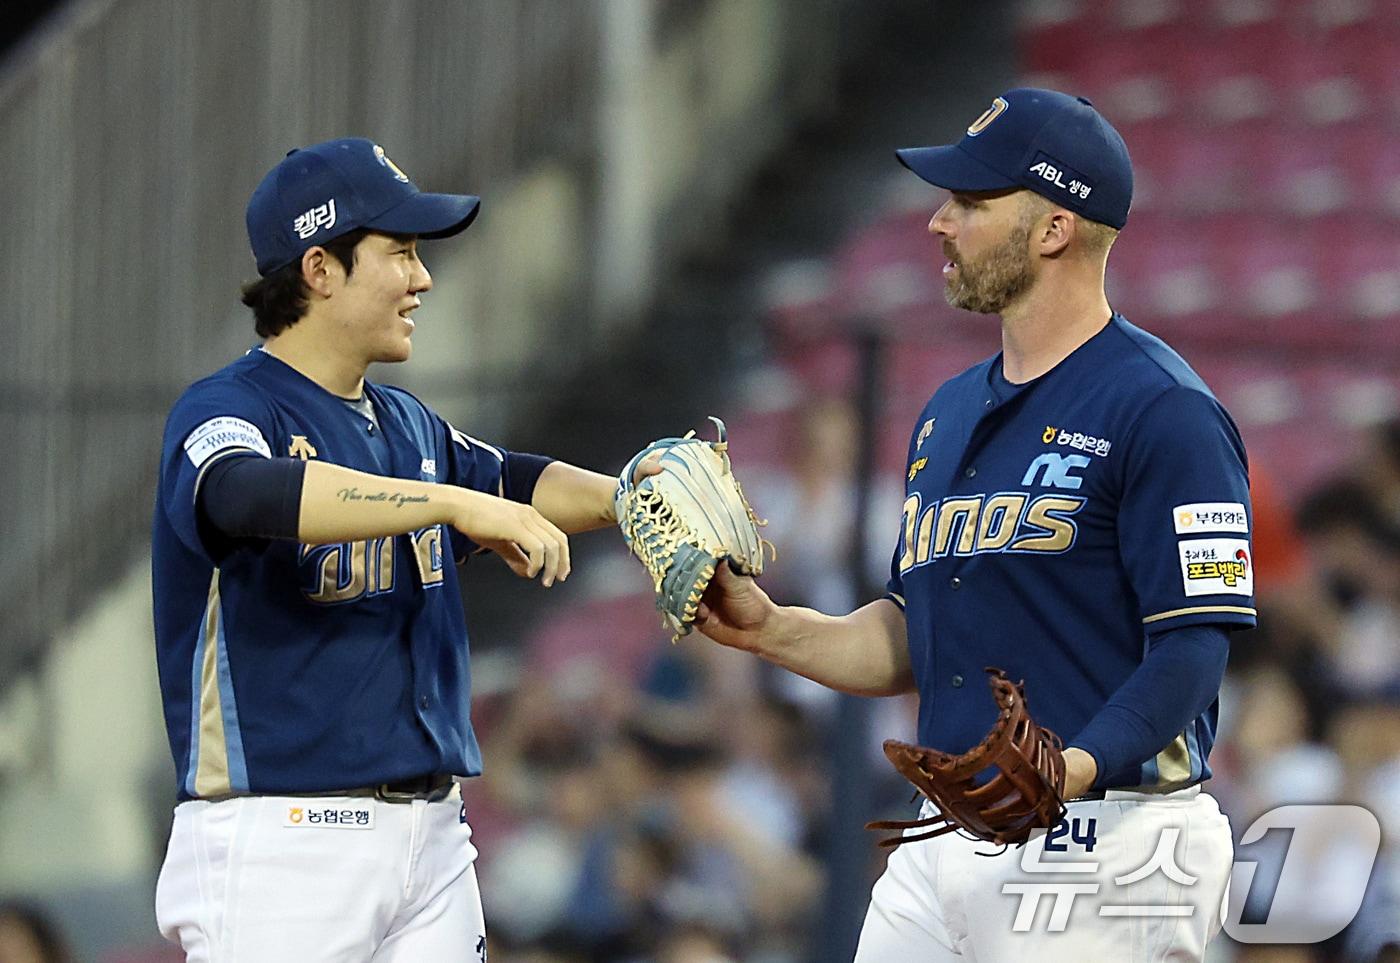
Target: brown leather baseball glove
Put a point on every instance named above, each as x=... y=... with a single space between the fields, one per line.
x=1022 y=794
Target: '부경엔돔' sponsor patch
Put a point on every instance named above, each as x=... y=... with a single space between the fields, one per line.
x=1201 y=517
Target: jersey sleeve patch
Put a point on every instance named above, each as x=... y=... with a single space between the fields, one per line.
x=1216 y=566
x=1201 y=517
x=221 y=434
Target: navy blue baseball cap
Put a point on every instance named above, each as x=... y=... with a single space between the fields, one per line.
x=320 y=192
x=1048 y=142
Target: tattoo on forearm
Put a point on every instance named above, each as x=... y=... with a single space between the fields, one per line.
x=397 y=499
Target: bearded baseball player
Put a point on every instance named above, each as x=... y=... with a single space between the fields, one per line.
x=1077 y=515
x=310 y=639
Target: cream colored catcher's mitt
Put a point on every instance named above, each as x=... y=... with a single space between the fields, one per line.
x=683 y=521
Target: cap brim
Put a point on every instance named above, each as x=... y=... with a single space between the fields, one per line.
x=429 y=215
x=952 y=168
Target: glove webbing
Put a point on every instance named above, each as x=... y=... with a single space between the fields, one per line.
x=1023 y=795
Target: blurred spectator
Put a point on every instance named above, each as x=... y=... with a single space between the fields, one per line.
x=811 y=511
x=27 y=935
x=809 y=502
x=1267 y=758
x=668 y=829
x=694 y=945
x=1280 y=559
x=1357 y=552
x=1380 y=468
x=1277 y=954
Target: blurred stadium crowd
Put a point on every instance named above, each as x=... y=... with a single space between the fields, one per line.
x=1265 y=245
x=647 y=803
x=682 y=818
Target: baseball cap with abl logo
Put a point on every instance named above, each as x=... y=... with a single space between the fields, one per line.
x=320 y=192
x=1048 y=142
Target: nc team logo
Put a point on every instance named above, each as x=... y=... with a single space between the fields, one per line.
x=316 y=219
x=1054 y=470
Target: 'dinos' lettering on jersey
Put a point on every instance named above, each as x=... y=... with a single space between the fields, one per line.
x=427 y=549
x=347 y=571
x=350 y=571
x=1007 y=522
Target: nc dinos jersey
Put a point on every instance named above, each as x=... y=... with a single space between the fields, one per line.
x=1049 y=527
x=308 y=668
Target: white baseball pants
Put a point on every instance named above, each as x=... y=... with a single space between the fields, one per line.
x=1158 y=868
x=272 y=878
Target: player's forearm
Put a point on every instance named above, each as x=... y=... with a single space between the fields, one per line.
x=575 y=499
x=863 y=653
x=1176 y=682
x=341 y=504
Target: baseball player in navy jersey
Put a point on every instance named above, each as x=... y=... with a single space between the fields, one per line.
x=1076 y=513
x=310 y=638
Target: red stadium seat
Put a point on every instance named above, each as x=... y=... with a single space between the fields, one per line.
x=1318 y=79
x=1375 y=57
x=1371 y=155
x=1359 y=265
x=1269 y=265
x=1161 y=274
x=1296 y=171
x=1189 y=169
x=1224 y=80
x=1054 y=36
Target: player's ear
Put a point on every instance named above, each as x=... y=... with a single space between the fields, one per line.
x=1056 y=231
x=316 y=270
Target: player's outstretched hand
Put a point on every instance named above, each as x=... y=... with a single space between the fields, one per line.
x=530 y=543
x=733 y=610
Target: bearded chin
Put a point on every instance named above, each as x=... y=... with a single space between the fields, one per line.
x=996 y=280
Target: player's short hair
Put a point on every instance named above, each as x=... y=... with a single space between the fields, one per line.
x=1098 y=238
x=279 y=300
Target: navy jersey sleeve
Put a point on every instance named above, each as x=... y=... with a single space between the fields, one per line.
x=472 y=463
x=212 y=421
x=1184 y=520
x=894 y=588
